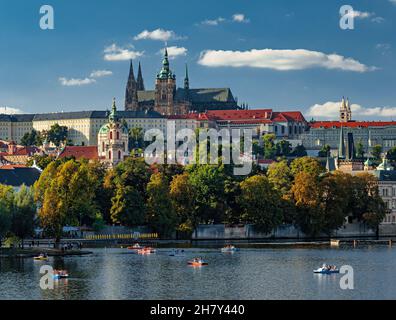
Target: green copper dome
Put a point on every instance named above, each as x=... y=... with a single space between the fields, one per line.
x=105 y=128
x=165 y=72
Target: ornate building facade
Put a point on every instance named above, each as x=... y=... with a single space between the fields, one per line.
x=113 y=139
x=167 y=99
x=368 y=133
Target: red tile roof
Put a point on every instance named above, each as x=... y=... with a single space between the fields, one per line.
x=351 y=124
x=192 y=116
x=244 y=116
x=80 y=152
x=239 y=114
x=12 y=166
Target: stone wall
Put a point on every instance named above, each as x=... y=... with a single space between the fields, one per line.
x=222 y=232
x=387 y=230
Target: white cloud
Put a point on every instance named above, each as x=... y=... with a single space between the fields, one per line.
x=359 y=14
x=283 y=60
x=383 y=46
x=392 y=1
x=378 y=19
x=213 y=22
x=330 y=110
x=365 y=15
x=174 y=52
x=116 y=53
x=100 y=73
x=240 y=17
x=75 y=82
x=158 y=34
x=237 y=17
x=8 y=110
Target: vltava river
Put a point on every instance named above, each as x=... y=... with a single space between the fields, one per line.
x=248 y=274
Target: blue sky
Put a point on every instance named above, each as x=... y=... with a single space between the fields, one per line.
x=280 y=54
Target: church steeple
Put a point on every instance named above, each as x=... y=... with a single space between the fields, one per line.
x=186 y=80
x=345 y=111
x=131 y=77
x=131 y=97
x=140 y=81
x=165 y=72
x=113 y=114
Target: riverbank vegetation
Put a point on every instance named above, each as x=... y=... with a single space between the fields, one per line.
x=171 y=198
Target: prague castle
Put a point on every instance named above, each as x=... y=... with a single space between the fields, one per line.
x=167 y=99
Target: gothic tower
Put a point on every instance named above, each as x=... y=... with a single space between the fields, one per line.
x=131 y=97
x=165 y=89
x=345 y=111
x=140 y=81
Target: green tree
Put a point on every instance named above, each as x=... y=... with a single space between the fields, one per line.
x=127 y=185
x=128 y=206
x=360 y=150
x=306 y=164
x=59 y=192
x=281 y=177
x=183 y=194
x=324 y=152
x=269 y=146
x=260 y=203
x=161 y=215
x=23 y=215
x=208 y=182
x=366 y=204
x=42 y=161
x=57 y=134
x=391 y=154
x=299 y=151
x=333 y=201
x=32 y=138
x=283 y=148
x=136 y=138
x=6 y=204
x=377 y=152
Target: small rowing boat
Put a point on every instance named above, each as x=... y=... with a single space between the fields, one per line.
x=60 y=274
x=229 y=249
x=325 y=269
x=136 y=246
x=197 y=262
x=41 y=257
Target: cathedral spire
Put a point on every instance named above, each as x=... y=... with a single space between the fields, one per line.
x=140 y=81
x=186 y=80
x=131 y=77
x=165 y=72
x=131 y=97
x=113 y=114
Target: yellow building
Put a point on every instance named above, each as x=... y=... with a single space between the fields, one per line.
x=83 y=126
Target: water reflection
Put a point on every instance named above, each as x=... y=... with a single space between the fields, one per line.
x=251 y=273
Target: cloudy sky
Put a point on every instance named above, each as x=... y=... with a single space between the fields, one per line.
x=280 y=54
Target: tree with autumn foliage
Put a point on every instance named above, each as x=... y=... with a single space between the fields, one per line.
x=183 y=197
x=260 y=203
x=59 y=193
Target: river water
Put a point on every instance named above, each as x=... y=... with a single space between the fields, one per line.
x=251 y=273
